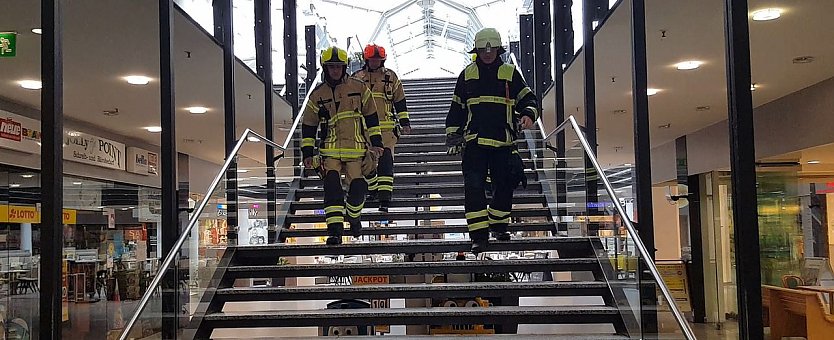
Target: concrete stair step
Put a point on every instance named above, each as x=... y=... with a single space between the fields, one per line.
x=417 y=215
x=411 y=230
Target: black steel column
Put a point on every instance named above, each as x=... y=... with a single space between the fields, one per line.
x=291 y=55
x=695 y=269
x=52 y=169
x=263 y=61
x=643 y=162
x=224 y=32
x=561 y=51
x=291 y=73
x=591 y=177
x=541 y=37
x=527 y=47
x=310 y=51
x=169 y=227
x=743 y=158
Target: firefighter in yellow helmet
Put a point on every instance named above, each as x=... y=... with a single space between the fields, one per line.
x=393 y=118
x=345 y=110
x=490 y=105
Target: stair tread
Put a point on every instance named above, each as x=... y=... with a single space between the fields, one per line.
x=513 y=227
x=589 y=336
x=419 y=287
x=514 y=263
x=440 y=201
x=411 y=246
x=439 y=312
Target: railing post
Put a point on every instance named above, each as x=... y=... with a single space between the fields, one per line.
x=562 y=49
x=263 y=60
x=224 y=32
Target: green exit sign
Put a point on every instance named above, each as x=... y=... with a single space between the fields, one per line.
x=8 y=45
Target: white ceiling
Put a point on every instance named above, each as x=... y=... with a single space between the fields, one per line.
x=695 y=30
x=106 y=40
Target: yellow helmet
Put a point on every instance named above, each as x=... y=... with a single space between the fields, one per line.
x=488 y=38
x=334 y=56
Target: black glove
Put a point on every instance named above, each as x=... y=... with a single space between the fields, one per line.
x=454 y=143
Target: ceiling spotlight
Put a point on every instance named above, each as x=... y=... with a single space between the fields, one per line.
x=153 y=129
x=253 y=139
x=665 y=126
x=37 y=31
x=702 y=108
x=138 y=80
x=76 y=183
x=242 y=171
x=628 y=164
x=753 y=86
x=806 y=59
x=197 y=109
x=767 y=14
x=814 y=162
x=619 y=111
x=30 y=84
x=688 y=65
x=14 y=185
x=652 y=92
x=27 y=175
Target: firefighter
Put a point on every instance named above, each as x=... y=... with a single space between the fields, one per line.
x=350 y=135
x=393 y=119
x=490 y=105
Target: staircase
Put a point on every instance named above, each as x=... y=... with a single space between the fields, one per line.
x=564 y=283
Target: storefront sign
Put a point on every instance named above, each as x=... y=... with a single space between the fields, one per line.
x=92 y=150
x=26 y=214
x=375 y=303
x=19 y=133
x=674 y=275
x=8 y=44
x=141 y=161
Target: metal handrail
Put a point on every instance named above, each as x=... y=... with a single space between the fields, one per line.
x=538 y=120
x=169 y=259
x=687 y=330
x=301 y=109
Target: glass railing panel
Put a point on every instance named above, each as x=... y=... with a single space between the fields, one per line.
x=594 y=208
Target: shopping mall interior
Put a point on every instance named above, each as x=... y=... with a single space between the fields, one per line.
x=152 y=184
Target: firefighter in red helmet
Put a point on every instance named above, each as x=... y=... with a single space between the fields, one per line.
x=389 y=97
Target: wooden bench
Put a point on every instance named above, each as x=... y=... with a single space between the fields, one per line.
x=797 y=313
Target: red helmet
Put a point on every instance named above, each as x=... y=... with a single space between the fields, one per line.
x=374 y=51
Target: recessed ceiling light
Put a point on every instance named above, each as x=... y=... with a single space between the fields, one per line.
x=30 y=84
x=37 y=31
x=814 y=162
x=27 y=175
x=153 y=129
x=619 y=111
x=628 y=164
x=76 y=183
x=767 y=14
x=14 y=185
x=242 y=171
x=137 y=80
x=197 y=109
x=806 y=59
x=688 y=65
x=73 y=133
x=665 y=126
x=652 y=92
x=253 y=139
x=702 y=108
